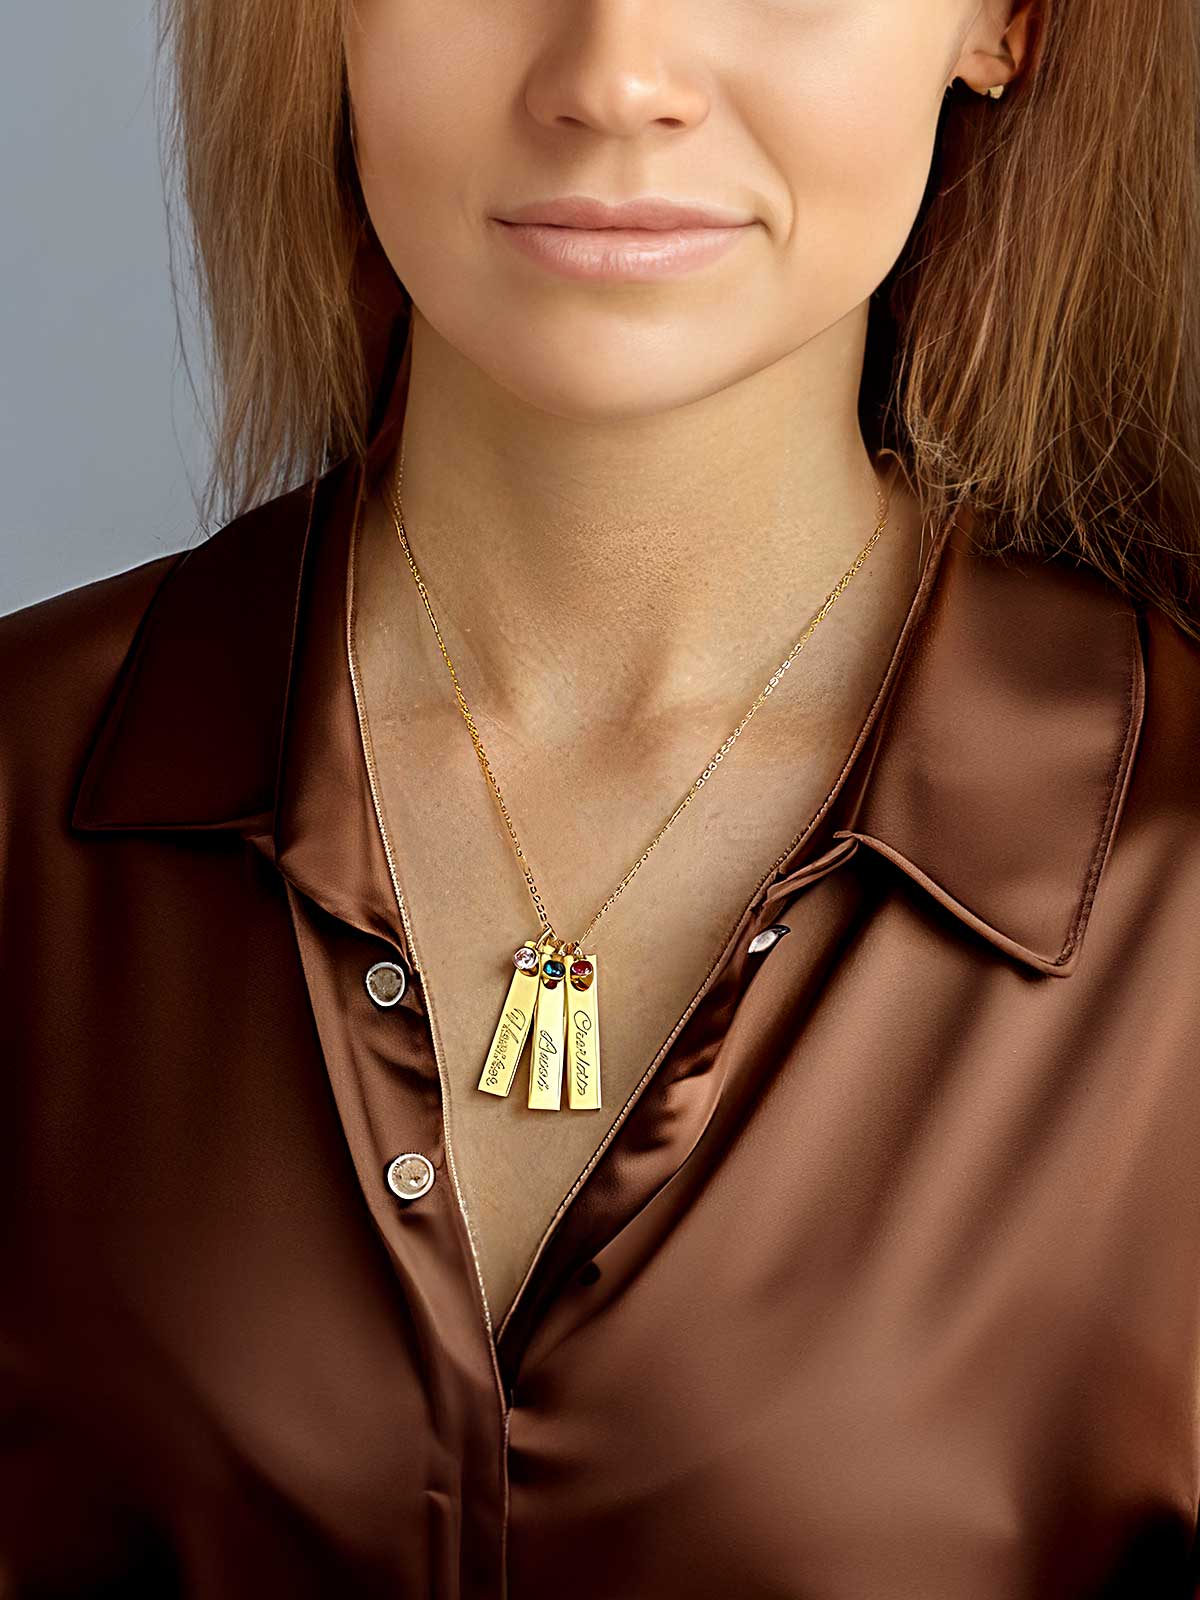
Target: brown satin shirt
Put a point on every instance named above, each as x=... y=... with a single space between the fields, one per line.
x=887 y=1285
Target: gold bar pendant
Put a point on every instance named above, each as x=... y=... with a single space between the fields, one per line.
x=583 y=1034
x=512 y=1030
x=549 y=1027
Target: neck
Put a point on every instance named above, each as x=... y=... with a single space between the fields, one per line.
x=638 y=566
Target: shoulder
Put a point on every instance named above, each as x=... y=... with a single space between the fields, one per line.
x=59 y=658
x=87 y=618
x=1168 y=761
x=1150 y=846
x=65 y=661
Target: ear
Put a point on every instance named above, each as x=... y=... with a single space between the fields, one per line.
x=999 y=45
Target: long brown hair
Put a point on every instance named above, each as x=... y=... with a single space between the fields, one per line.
x=1034 y=352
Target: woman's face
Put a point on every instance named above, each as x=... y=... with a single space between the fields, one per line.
x=815 y=119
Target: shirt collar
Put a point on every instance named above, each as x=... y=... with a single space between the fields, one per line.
x=235 y=710
x=993 y=768
x=999 y=771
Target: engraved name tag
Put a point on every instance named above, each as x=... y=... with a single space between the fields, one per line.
x=549 y=1022
x=512 y=1030
x=583 y=1033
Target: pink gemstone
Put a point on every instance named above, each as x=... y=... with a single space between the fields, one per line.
x=526 y=959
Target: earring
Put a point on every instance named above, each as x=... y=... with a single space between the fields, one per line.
x=995 y=91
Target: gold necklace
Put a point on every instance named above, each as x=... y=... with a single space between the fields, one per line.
x=554 y=989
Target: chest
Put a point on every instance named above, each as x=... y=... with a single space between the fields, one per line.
x=585 y=814
x=656 y=950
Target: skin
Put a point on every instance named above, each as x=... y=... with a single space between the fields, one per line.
x=628 y=501
x=620 y=442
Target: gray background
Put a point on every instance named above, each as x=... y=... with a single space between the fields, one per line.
x=101 y=445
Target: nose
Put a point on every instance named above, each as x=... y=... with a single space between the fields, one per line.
x=608 y=69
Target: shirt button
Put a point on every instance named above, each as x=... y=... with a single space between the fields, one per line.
x=767 y=938
x=386 y=983
x=410 y=1175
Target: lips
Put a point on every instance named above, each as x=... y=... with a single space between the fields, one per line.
x=612 y=254
x=654 y=213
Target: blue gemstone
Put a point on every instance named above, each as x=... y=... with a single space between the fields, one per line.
x=552 y=968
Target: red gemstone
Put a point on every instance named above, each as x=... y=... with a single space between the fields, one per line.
x=581 y=969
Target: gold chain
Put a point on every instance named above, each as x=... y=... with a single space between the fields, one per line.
x=699 y=782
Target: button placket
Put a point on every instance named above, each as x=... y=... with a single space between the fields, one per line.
x=837 y=855
x=410 y=1174
x=764 y=934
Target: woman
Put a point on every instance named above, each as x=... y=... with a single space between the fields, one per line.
x=734 y=686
